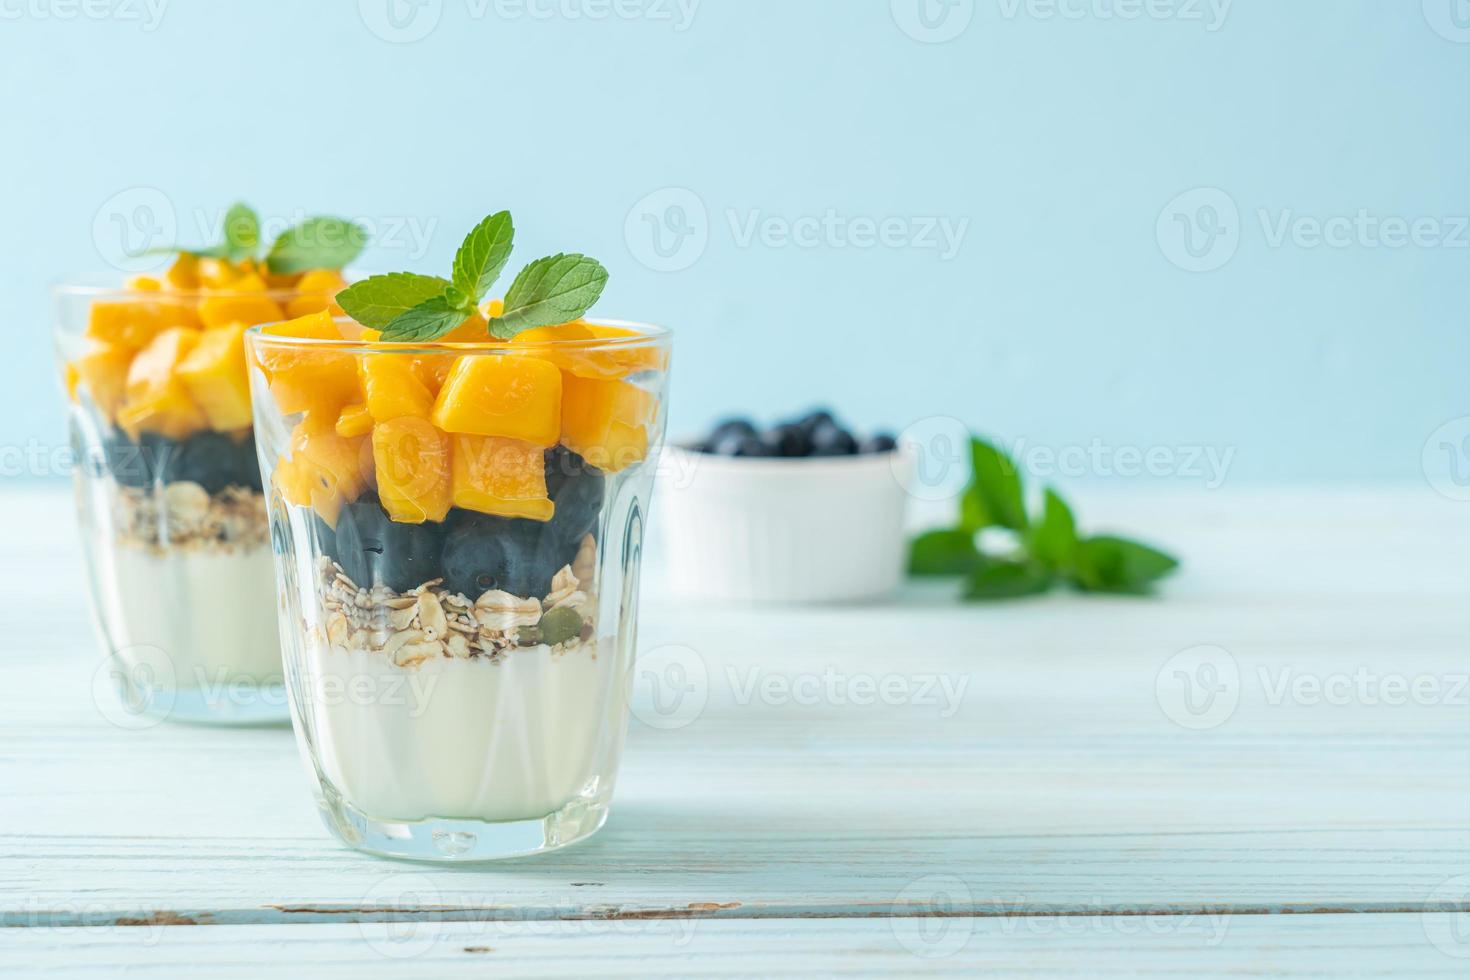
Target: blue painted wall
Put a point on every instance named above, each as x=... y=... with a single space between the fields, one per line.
x=1131 y=224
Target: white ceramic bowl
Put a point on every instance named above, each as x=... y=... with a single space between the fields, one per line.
x=786 y=530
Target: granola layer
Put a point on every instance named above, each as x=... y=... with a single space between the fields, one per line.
x=186 y=517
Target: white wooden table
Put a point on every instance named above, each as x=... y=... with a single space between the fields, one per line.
x=1067 y=807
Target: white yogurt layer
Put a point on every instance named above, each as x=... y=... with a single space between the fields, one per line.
x=212 y=613
x=512 y=739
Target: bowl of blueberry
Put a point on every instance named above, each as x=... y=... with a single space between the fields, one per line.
x=803 y=510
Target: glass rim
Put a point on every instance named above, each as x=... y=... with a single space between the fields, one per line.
x=646 y=335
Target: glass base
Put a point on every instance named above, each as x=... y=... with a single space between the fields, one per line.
x=139 y=704
x=447 y=841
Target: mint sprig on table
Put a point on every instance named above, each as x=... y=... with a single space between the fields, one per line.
x=407 y=306
x=1047 y=551
x=321 y=242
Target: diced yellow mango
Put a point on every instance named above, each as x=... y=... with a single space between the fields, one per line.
x=495 y=395
x=103 y=373
x=144 y=284
x=156 y=399
x=392 y=388
x=183 y=274
x=303 y=379
x=240 y=304
x=134 y=323
x=217 y=273
x=500 y=476
x=412 y=461
x=354 y=420
x=71 y=378
x=214 y=372
x=605 y=421
x=325 y=470
x=316 y=290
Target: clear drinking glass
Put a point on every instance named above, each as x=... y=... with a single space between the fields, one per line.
x=458 y=531
x=169 y=495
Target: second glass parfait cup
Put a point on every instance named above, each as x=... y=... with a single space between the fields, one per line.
x=458 y=532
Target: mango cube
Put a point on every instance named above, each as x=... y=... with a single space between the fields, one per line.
x=103 y=373
x=325 y=470
x=304 y=379
x=241 y=304
x=392 y=387
x=214 y=372
x=413 y=470
x=354 y=420
x=500 y=476
x=316 y=291
x=496 y=395
x=605 y=421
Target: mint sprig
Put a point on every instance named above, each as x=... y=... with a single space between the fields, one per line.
x=316 y=243
x=414 y=308
x=1043 y=551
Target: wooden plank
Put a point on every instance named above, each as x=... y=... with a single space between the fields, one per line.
x=1054 y=776
x=1090 y=946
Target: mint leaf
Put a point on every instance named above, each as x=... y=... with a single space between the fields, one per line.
x=950 y=552
x=316 y=243
x=1110 y=564
x=549 y=291
x=379 y=300
x=430 y=320
x=242 y=232
x=994 y=496
x=483 y=254
x=1054 y=541
x=1007 y=580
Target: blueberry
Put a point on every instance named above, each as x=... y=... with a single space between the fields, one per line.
x=375 y=550
x=736 y=427
x=210 y=459
x=577 y=489
x=788 y=441
x=814 y=420
x=751 y=446
x=134 y=464
x=730 y=443
x=830 y=440
x=880 y=443
x=483 y=552
x=247 y=464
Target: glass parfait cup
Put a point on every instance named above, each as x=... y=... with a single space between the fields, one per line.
x=458 y=531
x=168 y=488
